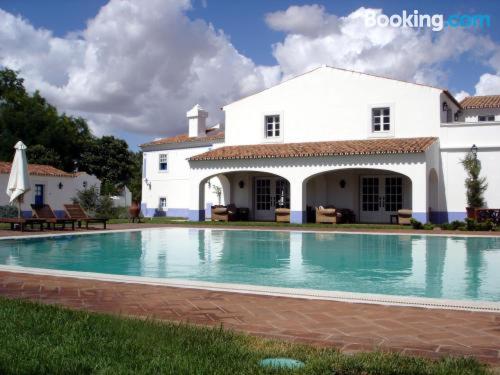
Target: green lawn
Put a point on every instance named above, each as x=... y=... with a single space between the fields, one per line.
x=38 y=339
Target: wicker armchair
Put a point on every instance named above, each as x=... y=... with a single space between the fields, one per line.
x=282 y=215
x=404 y=216
x=224 y=213
x=326 y=215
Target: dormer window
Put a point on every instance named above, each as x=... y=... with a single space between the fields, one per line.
x=486 y=118
x=273 y=126
x=381 y=119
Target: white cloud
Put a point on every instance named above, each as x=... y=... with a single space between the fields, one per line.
x=135 y=67
x=402 y=53
x=138 y=68
x=461 y=95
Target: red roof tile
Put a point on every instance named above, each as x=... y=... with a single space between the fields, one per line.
x=487 y=101
x=309 y=149
x=37 y=170
x=213 y=134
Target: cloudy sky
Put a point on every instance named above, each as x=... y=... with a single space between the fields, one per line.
x=133 y=68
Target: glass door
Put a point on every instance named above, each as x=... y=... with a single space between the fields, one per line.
x=270 y=193
x=380 y=197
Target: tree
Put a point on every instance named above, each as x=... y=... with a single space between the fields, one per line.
x=39 y=154
x=110 y=160
x=474 y=184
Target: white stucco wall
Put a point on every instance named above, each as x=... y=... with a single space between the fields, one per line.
x=331 y=104
x=53 y=196
x=472 y=115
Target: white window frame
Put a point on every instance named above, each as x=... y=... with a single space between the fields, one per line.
x=160 y=163
x=165 y=207
x=372 y=133
x=274 y=128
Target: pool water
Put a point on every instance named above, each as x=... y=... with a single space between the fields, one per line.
x=424 y=266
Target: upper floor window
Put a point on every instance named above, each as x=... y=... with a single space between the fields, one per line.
x=273 y=126
x=486 y=118
x=163 y=166
x=381 y=119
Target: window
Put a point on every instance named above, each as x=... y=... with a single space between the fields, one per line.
x=273 y=126
x=381 y=119
x=486 y=118
x=163 y=162
x=163 y=203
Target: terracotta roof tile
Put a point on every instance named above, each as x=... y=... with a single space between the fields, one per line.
x=37 y=170
x=213 y=134
x=333 y=148
x=487 y=101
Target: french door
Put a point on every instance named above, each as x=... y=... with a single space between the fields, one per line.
x=270 y=193
x=380 y=197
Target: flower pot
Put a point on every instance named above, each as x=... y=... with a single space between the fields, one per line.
x=471 y=213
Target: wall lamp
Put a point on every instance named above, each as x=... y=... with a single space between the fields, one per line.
x=473 y=150
x=445 y=107
x=148 y=183
x=60 y=186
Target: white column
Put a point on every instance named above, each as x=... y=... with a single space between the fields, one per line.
x=196 y=201
x=419 y=204
x=297 y=201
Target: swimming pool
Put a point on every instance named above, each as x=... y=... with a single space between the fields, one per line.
x=460 y=268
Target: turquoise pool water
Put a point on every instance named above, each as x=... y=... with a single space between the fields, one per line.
x=426 y=266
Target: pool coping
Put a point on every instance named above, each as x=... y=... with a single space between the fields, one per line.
x=339 y=296
x=252 y=229
x=307 y=294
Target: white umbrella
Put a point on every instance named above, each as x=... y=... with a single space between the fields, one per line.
x=19 y=179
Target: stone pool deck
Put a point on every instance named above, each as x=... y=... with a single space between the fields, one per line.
x=350 y=327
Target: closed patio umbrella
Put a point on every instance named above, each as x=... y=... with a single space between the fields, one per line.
x=19 y=179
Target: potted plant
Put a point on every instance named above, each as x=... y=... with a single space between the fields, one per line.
x=474 y=184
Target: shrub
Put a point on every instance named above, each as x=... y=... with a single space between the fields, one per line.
x=415 y=224
x=474 y=184
x=105 y=207
x=428 y=226
x=88 y=199
x=470 y=224
x=454 y=225
x=8 y=211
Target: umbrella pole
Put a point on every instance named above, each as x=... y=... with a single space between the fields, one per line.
x=18 y=208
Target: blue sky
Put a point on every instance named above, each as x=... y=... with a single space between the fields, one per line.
x=243 y=22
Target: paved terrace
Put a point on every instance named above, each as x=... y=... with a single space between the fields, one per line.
x=349 y=327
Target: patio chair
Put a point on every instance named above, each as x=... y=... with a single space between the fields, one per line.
x=76 y=212
x=404 y=216
x=326 y=214
x=22 y=223
x=282 y=215
x=224 y=213
x=45 y=212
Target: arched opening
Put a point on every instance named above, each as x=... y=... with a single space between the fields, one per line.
x=256 y=193
x=365 y=195
x=432 y=187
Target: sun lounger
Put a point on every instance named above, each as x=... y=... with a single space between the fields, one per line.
x=22 y=223
x=45 y=212
x=76 y=212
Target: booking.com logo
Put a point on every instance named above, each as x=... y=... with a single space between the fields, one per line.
x=436 y=22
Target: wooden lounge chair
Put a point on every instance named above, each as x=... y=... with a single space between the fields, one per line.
x=76 y=212
x=282 y=215
x=22 y=223
x=45 y=212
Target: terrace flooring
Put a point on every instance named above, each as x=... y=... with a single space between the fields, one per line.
x=350 y=327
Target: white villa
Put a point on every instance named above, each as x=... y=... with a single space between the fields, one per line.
x=329 y=137
x=49 y=185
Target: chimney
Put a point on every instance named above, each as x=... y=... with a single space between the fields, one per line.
x=197 y=117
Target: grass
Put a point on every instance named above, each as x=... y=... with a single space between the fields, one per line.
x=43 y=339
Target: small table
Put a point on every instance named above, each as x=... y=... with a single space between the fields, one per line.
x=394 y=216
x=242 y=213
